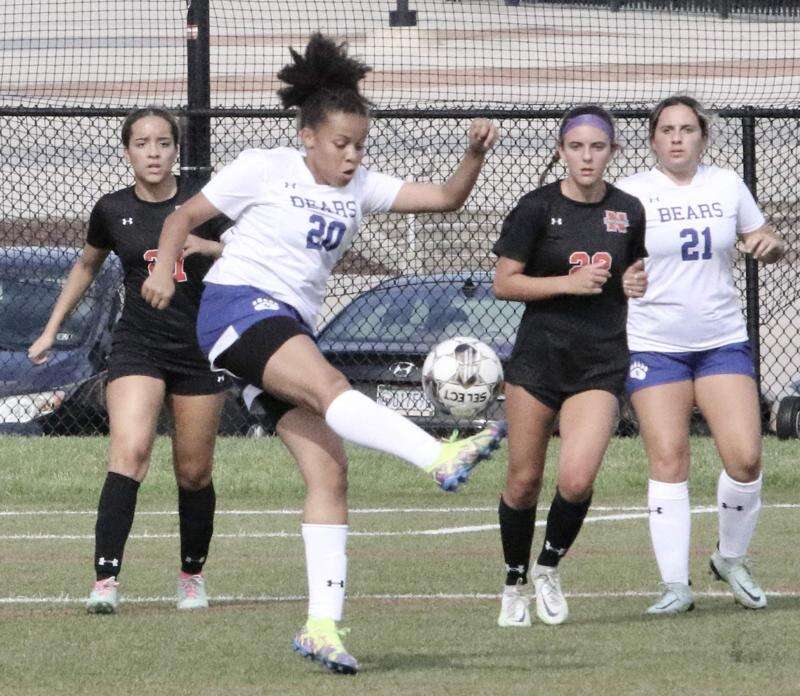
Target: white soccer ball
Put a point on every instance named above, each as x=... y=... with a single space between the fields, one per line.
x=462 y=376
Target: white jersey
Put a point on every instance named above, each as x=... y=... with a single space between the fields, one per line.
x=289 y=231
x=691 y=302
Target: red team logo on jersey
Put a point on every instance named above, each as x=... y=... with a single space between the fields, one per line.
x=616 y=222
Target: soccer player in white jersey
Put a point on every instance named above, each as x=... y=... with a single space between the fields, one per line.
x=295 y=214
x=689 y=347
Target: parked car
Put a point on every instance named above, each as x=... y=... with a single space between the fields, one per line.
x=65 y=395
x=380 y=340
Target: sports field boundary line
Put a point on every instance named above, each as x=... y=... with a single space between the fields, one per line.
x=441 y=531
x=354 y=511
x=263 y=599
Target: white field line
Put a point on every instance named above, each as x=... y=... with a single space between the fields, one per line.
x=441 y=531
x=355 y=511
x=287 y=511
x=233 y=599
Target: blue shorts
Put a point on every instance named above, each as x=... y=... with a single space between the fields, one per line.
x=227 y=311
x=649 y=369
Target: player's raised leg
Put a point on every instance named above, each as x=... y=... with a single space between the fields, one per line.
x=290 y=366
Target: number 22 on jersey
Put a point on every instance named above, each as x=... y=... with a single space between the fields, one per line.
x=579 y=259
x=178 y=274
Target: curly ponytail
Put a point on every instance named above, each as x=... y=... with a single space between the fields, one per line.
x=323 y=80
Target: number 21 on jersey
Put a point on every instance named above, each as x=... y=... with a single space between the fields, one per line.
x=178 y=274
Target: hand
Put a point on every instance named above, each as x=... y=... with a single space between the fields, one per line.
x=588 y=280
x=482 y=136
x=157 y=290
x=198 y=245
x=763 y=245
x=39 y=352
x=634 y=280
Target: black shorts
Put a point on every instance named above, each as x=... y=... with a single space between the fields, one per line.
x=180 y=379
x=555 y=398
x=248 y=356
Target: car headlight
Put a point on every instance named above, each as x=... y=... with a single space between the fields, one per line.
x=24 y=408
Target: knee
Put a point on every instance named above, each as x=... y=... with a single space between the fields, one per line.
x=335 y=384
x=329 y=481
x=670 y=467
x=130 y=459
x=336 y=482
x=522 y=489
x=746 y=466
x=194 y=479
x=575 y=489
x=192 y=467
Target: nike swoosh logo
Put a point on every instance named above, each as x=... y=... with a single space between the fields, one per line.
x=547 y=608
x=755 y=598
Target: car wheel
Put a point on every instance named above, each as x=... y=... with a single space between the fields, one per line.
x=788 y=420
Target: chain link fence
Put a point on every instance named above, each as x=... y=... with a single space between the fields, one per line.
x=63 y=96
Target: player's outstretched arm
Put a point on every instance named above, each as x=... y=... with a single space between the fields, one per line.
x=79 y=278
x=159 y=286
x=428 y=197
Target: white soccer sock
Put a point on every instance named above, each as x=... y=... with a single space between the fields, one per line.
x=670 y=528
x=357 y=418
x=739 y=505
x=326 y=567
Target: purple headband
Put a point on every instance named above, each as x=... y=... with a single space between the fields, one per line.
x=588 y=120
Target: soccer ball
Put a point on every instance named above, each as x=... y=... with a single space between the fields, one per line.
x=461 y=376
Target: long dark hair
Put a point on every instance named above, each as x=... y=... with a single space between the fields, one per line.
x=581 y=110
x=703 y=117
x=322 y=81
x=138 y=114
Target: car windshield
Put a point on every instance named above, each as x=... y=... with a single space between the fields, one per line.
x=25 y=306
x=428 y=312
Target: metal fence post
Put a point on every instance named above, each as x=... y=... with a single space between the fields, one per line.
x=196 y=141
x=750 y=264
x=402 y=16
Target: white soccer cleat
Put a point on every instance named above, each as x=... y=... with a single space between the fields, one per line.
x=103 y=597
x=735 y=572
x=192 y=592
x=514 y=606
x=677 y=598
x=551 y=605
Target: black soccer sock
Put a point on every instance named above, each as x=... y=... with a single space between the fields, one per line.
x=564 y=521
x=196 y=512
x=114 y=519
x=516 y=533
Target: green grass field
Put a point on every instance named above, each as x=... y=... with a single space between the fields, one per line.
x=425 y=574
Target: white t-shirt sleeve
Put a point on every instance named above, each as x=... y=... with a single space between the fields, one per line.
x=237 y=185
x=748 y=216
x=379 y=191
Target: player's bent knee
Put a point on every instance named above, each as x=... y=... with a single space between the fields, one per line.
x=745 y=470
x=576 y=490
x=194 y=480
x=334 y=384
x=522 y=492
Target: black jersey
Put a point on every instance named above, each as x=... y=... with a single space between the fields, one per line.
x=572 y=338
x=131 y=227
